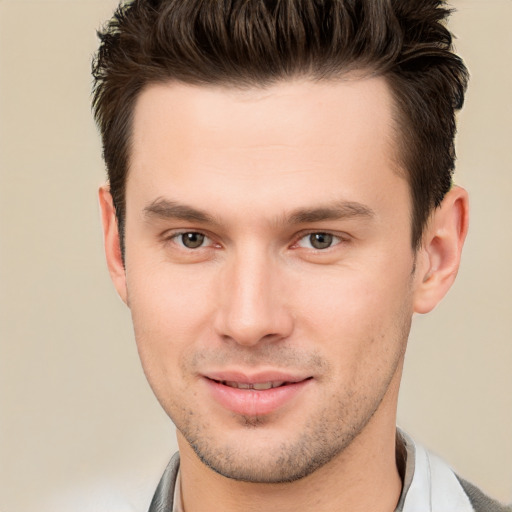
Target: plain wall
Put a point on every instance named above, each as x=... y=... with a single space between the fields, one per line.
x=79 y=427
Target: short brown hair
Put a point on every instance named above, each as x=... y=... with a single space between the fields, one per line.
x=247 y=43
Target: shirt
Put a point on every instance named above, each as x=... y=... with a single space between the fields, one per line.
x=429 y=484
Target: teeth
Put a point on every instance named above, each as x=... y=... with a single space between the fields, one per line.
x=263 y=385
x=240 y=385
x=259 y=386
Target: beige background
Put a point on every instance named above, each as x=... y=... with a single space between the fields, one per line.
x=79 y=427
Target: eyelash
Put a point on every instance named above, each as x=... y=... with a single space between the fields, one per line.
x=341 y=239
x=175 y=237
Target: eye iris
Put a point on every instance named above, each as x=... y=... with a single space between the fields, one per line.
x=320 y=240
x=192 y=240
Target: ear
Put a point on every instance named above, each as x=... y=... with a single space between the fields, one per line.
x=111 y=241
x=439 y=257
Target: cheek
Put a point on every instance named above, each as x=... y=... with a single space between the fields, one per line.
x=361 y=314
x=169 y=299
x=169 y=314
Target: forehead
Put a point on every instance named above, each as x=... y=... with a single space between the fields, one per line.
x=293 y=137
x=286 y=113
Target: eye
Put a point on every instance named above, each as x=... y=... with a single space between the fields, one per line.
x=191 y=239
x=318 y=241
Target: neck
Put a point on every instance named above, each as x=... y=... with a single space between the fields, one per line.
x=373 y=484
x=363 y=477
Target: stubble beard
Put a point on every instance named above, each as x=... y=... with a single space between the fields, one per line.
x=327 y=433
x=285 y=463
x=325 y=436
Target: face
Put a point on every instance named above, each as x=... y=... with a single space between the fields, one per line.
x=269 y=268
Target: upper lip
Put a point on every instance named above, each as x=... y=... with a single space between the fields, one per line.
x=255 y=377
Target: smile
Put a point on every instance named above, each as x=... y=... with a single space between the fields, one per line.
x=258 y=386
x=256 y=396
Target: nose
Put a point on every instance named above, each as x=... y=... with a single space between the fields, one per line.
x=253 y=303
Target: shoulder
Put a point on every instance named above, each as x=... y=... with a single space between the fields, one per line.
x=429 y=479
x=481 y=502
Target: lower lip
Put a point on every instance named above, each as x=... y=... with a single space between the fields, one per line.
x=250 y=402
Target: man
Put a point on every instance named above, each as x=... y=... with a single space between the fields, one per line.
x=279 y=205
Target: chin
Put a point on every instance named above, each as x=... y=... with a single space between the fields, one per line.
x=269 y=458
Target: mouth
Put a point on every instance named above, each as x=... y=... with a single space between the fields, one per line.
x=258 y=386
x=256 y=395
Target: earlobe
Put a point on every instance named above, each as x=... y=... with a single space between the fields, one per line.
x=439 y=256
x=111 y=241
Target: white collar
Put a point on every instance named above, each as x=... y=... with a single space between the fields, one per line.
x=433 y=486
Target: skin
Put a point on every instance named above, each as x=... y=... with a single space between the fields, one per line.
x=257 y=172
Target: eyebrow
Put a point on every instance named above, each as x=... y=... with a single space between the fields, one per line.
x=336 y=211
x=168 y=209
